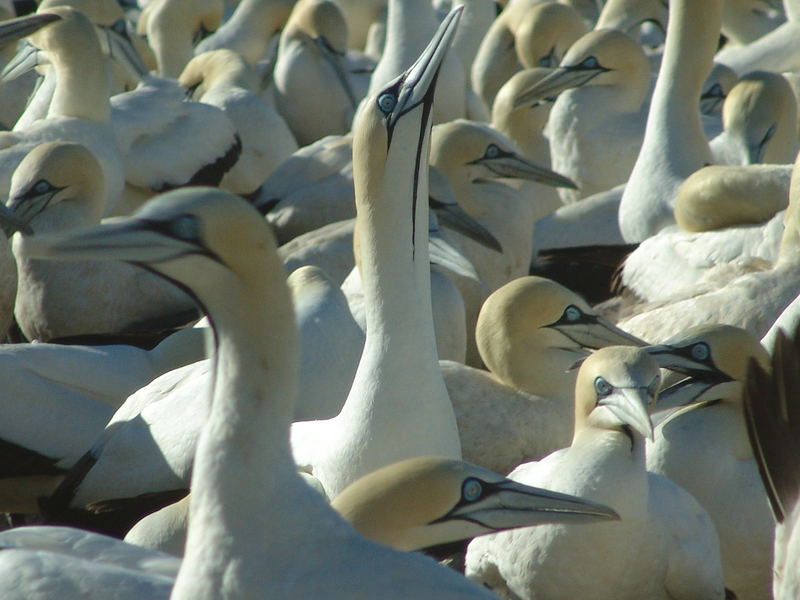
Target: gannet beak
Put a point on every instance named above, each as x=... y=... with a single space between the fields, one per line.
x=757 y=146
x=507 y=504
x=441 y=253
x=27 y=57
x=593 y=332
x=681 y=361
x=133 y=240
x=15 y=29
x=29 y=204
x=510 y=164
x=629 y=404
x=117 y=43
x=457 y=219
x=11 y=222
x=562 y=78
x=337 y=63
x=417 y=82
x=688 y=395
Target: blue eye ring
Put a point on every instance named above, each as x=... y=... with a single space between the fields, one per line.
x=471 y=490
x=602 y=387
x=185 y=227
x=700 y=351
x=590 y=63
x=572 y=313
x=387 y=102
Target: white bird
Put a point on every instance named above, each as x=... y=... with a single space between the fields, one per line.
x=59 y=186
x=674 y=144
x=774 y=51
x=172 y=27
x=410 y=505
x=597 y=121
x=55 y=412
x=249 y=30
x=383 y=419
x=749 y=295
x=704 y=448
x=664 y=545
x=530 y=332
x=223 y=79
x=527 y=34
x=727 y=215
x=313 y=91
x=760 y=120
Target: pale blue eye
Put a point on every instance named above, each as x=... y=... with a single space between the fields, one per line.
x=387 y=102
x=471 y=490
x=700 y=351
x=572 y=313
x=492 y=151
x=185 y=228
x=590 y=63
x=602 y=387
x=41 y=187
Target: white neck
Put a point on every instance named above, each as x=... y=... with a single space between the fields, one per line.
x=409 y=27
x=248 y=503
x=674 y=145
x=81 y=88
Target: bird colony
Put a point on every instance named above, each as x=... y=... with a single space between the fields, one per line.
x=400 y=299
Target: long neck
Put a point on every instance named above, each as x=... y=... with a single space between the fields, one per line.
x=409 y=27
x=252 y=25
x=688 y=55
x=246 y=494
x=82 y=81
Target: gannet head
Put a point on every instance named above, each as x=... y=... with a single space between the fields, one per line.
x=717 y=86
x=472 y=151
x=407 y=100
x=214 y=67
x=426 y=501
x=600 y=58
x=760 y=113
x=628 y=15
x=615 y=389
x=519 y=120
x=320 y=22
x=204 y=239
x=57 y=185
x=532 y=330
x=545 y=33
x=715 y=357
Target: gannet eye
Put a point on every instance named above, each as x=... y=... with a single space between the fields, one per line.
x=590 y=63
x=492 y=151
x=119 y=27
x=185 y=228
x=471 y=490
x=602 y=387
x=700 y=351
x=41 y=187
x=572 y=313
x=387 y=102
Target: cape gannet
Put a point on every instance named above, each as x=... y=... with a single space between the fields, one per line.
x=664 y=545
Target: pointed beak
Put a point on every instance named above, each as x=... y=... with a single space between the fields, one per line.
x=25 y=207
x=630 y=406
x=15 y=29
x=679 y=360
x=561 y=79
x=509 y=504
x=457 y=219
x=117 y=43
x=756 y=144
x=337 y=63
x=594 y=332
x=419 y=79
x=690 y=394
x=10 y=222
x=513 y=165
x=27 y=58
x=132 y=240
